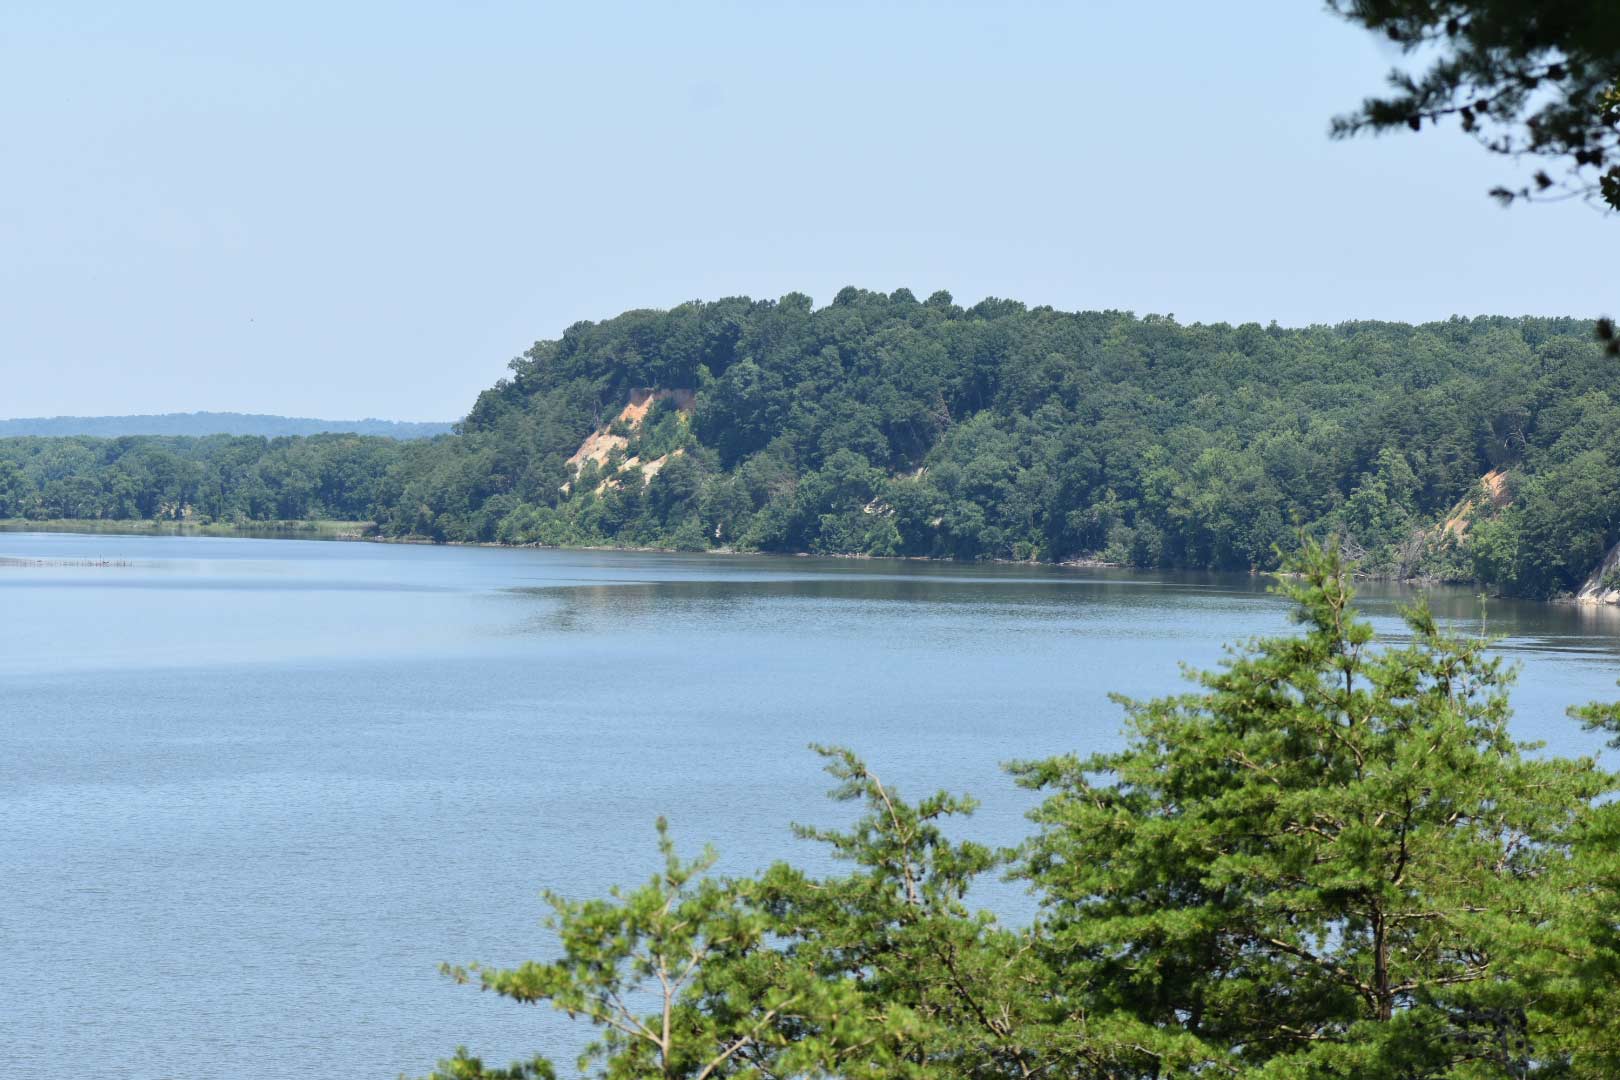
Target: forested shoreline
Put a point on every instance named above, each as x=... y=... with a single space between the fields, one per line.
x=884 y=425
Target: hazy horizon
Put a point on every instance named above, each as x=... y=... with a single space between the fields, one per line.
x=367 y=211
x=243 y=413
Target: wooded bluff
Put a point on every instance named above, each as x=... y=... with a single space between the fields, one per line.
x=1484 y=449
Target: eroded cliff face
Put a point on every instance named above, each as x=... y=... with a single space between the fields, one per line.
x=599 y=446
x=1492 y=494
x=602 y=442
x=1603 y=585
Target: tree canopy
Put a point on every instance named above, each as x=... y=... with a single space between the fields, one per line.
x=884 y=425
x=1526 y=78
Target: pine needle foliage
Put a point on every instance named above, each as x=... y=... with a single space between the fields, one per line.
x=1319 y=864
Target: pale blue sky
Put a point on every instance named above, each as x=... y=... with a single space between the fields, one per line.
x=366 y=209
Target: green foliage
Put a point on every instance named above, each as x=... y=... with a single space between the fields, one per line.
x=656 y=943
x=463 y=1066
x=1523 y=77
x=216 y=478
x=688 y=976
x=878 y=425
x=949 y=992
x=1322 y=864
x=663 y=430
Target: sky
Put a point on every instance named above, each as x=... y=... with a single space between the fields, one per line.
x=366 y=209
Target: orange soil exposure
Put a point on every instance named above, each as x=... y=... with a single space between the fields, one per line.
x=652 y=468
x=1495 y=485
x=642 y=400
x=599 y=444
x=596 y=447
x=648 y=470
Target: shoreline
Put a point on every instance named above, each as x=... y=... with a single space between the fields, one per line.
x=315 y=529
x=357 y=532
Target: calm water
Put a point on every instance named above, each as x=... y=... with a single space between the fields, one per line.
x=254 y=791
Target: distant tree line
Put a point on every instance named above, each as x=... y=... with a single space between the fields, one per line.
x=215 y=423
x=887 y=425
x=225 y=478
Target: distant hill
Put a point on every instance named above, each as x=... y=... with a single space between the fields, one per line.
x=215 y=423
x=1483 y=450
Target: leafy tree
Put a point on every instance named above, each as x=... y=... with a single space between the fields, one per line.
x=659 y=944
x=13 y=488
x=1524 y=77
x=463 y=1066
x=947 y=993
x=880 y=973
x=1573 y=973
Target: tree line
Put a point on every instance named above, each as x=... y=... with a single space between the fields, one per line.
x=215 y=423
x=214 y=478
x=881 y=424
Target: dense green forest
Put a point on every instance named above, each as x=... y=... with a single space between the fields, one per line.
x=215 y=423
x=887 y=425
x=228 y=478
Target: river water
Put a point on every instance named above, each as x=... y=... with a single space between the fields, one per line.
x=254 y=791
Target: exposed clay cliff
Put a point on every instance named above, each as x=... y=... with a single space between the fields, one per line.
x=601 y=444
x=1602 y=586
x=1493 y=492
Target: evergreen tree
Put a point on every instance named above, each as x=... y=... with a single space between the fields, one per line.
x=1319 y=865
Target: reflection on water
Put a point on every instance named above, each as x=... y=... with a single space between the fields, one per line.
x=258 y=789
x=1052 y=602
